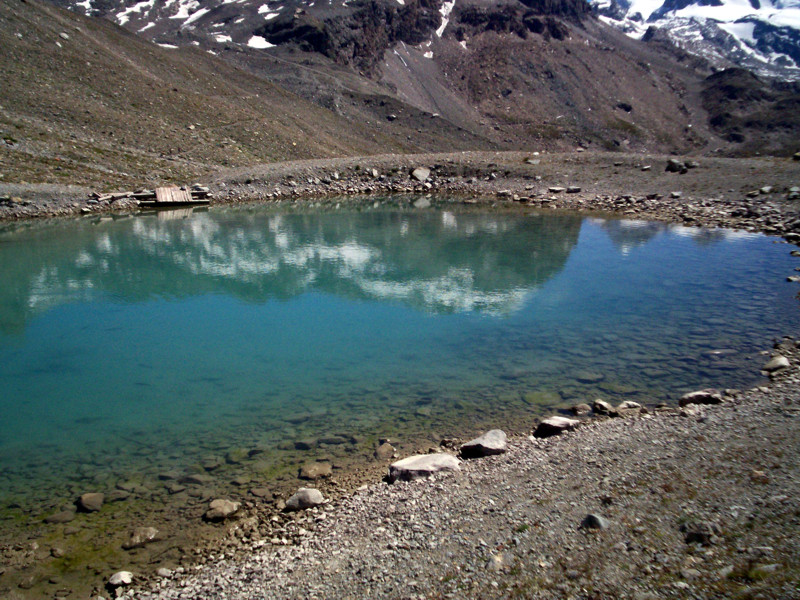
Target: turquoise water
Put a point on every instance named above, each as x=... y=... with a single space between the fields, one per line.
x=130 y=346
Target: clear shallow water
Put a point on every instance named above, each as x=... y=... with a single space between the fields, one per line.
x=133 y=346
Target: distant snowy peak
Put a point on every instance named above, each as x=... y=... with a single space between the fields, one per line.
x=760 y=35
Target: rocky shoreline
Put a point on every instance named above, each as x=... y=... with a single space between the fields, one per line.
x=756 y=194
x=694 y=501
x=509 y=525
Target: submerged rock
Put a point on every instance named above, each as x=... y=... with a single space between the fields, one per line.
x=422 y=465
x=91 y=502
x=491 y=442
x=385 y=451
x=141 y=536
x=65 y=516
x=221 y=509
x=554 y=426
x=304 y=498
x=316 y=470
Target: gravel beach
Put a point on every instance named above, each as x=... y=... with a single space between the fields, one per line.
x=695 y=502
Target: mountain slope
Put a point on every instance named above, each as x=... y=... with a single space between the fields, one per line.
x=83 y=101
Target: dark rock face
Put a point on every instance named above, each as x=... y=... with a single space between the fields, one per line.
x=474 y=20
x=570 y=9
x=360 y=38
x=745 y=109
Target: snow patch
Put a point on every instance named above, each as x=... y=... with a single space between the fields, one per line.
x=428 y=54
x=223 y=38
x=259 y=43
x=170 y=46
x=146 y=27
x=742 y=31
x=196 y=16
x=185 y=9
x=445 y=11
x=140 y=7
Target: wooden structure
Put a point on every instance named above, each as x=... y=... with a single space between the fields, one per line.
x=173 y=195
x=162 y=196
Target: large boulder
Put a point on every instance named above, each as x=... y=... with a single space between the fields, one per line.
x=422 y=465
x=491 y=442
x=554 y=426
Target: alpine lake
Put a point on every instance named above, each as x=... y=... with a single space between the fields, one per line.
x=168 y=358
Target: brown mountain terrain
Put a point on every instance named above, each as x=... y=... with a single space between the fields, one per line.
x=85 y=101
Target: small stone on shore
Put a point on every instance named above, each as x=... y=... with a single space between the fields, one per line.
x=580 y=410
x=422 y=465
x=555 y=426
x=491 y=442
x=304 y=498
x=120 y=579
x=221 y=509
x=776 y=363
x=421 y=173
x=707 y=396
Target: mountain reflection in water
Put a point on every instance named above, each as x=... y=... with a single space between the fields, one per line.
x=439 y=262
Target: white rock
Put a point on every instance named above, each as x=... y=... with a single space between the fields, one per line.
x=422 y=465
x=121 y=578
x=491 y=442
x=777 y=363
x=601 y=407
x=421 y=173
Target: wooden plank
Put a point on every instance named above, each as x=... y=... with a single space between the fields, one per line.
x=173 y=195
